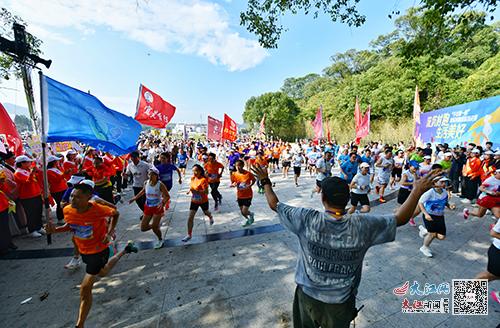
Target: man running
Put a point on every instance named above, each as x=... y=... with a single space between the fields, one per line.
x=92 y=235
x=385 y=163
x=243 y=180
x=214 y=172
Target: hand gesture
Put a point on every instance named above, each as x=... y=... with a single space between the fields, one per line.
x=425 y=183
x=259 y=172
x=50 y=227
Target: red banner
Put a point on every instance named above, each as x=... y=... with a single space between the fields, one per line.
x=317 y=124
x=230 y=131
x=363 y=124
x=8 y=133
x=214 y=129
x=152 y=110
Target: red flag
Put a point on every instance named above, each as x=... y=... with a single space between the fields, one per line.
x=214 y=129
x=262 y=128
x=317 y=124
x=363 y=129
x=230 y=130
x=152 y=110
x=328 y=132
x=357 y=114
x=9 y=134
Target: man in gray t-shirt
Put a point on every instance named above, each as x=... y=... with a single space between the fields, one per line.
x=139 y=171
x=332 y=247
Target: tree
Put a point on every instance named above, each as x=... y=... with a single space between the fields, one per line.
x=294 y=87
x=262 y=17
x=23 y=123
x=8 y=66
x=282 y=115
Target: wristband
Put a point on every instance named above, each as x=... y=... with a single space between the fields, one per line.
x=265 y=181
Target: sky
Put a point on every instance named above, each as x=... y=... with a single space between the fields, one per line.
x=193 y=53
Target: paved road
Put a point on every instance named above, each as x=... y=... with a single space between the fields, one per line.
x=230 y=278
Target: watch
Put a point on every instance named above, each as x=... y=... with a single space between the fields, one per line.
x=265 y=181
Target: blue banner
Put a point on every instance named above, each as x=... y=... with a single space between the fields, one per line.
x=475 y=122
x=74 y=115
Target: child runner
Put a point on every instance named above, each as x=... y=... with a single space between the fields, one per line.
x=432 y=204
x=360 y=187
x=489 y=198
x=243 y=180
x=92 y=234
x=214 y=171
x=199 y=191
x=156 y=198
x=493 y=269
x=385 y=163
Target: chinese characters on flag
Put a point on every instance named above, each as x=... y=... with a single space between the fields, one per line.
x=8 y=133
x=214 y=129
x=152 y=110
x=230 y=130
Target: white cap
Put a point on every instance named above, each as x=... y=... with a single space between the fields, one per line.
x=427 y=157
x=88 y=183
x=23 y=158
x=52 y=158
x=489 y=152
x=154 y=170
x=75 y=179
x=441 y=178
x=475 y=150
x=364 y=165
x=71 y=152
x=448 y=154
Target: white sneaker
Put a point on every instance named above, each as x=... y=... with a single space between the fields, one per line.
x=422 y=231
x=74 y=263
x=42 y=231
x=465 y=201
x=35 y=234
x=158 y=244
x=187 y=238
x=426 y=251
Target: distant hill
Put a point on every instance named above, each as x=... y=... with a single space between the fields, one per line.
x=14 y=110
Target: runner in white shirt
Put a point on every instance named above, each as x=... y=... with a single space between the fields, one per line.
x=489 y=198
x=360 y=187
x=297 y=162
x=425 y=166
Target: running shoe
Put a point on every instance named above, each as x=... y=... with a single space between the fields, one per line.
x=211 y=220
x=187 y=238
x=422 y=231
x=252 y=217
x=412 y=222
x=382 y=200
x=35 y=234
x=158 y=244
x=495 y=296
x=426 y=251
x=216 y=207
x=466 y=213
x=73 y=264
x=246 y=224
x=131 y=248
x=42 y=231
x=465 y=201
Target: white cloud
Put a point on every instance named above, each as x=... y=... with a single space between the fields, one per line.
x=185 y=26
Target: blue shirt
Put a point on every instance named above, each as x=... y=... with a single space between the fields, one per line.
x=233 y=158
x=182 y=158
x=331 y=251
x=166 y=173
x=343 y=158
x=350 y=169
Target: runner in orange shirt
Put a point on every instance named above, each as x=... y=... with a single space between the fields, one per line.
x=243 y=180
x=472 y=176
x=199 y=191
x=92 y=235
x=262 y=162
x=214 y=172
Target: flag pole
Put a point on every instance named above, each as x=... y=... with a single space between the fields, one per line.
x=44 y=157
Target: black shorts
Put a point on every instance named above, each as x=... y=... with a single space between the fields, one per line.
x=296 y=170
x=403 y=195
x=194 y=206
x=182 y=166
x=359 y=198
x=275 y=160
x=437 y=224
x=318 y=183
x=286 y=164
x=95 y=262
x=396 y=172
x=244 y=202
x=494 y=260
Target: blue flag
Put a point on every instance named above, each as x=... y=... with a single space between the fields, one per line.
x=74 y=115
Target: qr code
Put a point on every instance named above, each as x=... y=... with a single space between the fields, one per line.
x=470 y=297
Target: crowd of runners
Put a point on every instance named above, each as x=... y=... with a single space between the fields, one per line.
x=86 y=186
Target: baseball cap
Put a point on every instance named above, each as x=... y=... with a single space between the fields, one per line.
x=364 y=165
x=88 y=183
x=23 y=158
x=475 y=150
x=448 y=154
x=52 y=158
x=154 y=170
x=441 y=178
x=71 y=152
x=414 y=164
x=489 y=152
x=75 y=179
x=427 y=157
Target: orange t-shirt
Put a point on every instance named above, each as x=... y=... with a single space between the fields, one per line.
x=57 y=182
x=262 y=162
x=201 y=186
x=276 y=152
x=243 y=184
x=118 y=163
x=472 y=168
x=28 y=184
x=101 y=176
x=212 y=170
x=89 y=228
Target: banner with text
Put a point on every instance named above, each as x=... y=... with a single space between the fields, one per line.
x=475 y=122
x=214 y=129
x=230 y=131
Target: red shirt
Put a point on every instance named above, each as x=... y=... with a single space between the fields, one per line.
x=71 y=168
x=57 y=182
x=27 y=182
x=118 y=163
x=4 y=201
x=88 y=163
x=109 y=162
x=101 y=175
x=89 y=228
